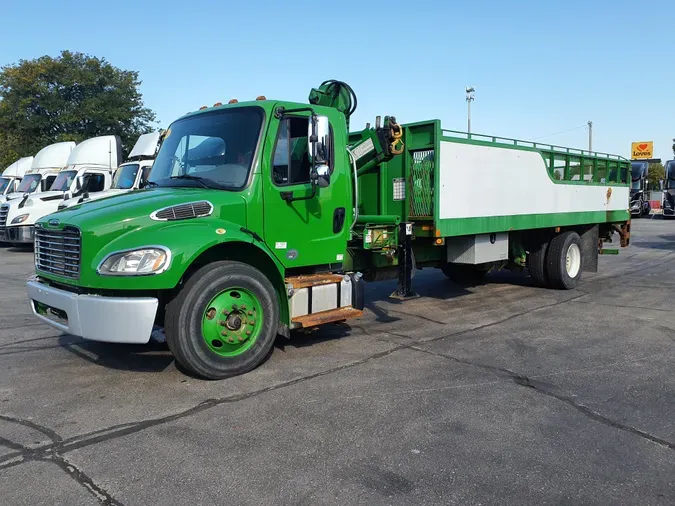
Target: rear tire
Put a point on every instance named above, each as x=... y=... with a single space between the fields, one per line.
x=565 y=262
x=536 y=263
x=224 y=321
x=464 y=275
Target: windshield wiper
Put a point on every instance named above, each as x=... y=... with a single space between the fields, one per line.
x=201 y=180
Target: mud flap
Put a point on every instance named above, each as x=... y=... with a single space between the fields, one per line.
x=589 y=248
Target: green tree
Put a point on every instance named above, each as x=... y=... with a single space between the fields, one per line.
x=656 y=173
x=68 y=98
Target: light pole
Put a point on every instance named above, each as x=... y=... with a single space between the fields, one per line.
x=470 y=97
x=590 y=136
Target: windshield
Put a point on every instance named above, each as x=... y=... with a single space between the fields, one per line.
x=214 y=149
x=29 y=183
x=635 y=185
x=125 y=177
x=4 y=183
x=670 y=169
x=63 y=181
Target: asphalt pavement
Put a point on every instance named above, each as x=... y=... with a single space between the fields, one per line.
x=501 y=394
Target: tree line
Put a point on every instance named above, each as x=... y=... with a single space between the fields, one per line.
x=71 y=97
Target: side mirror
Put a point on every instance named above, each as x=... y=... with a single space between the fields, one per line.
x=320 y=149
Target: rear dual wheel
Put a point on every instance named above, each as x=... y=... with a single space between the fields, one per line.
x=224 y=320
x=558 y=263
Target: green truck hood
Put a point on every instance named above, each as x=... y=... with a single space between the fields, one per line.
x=123 y=222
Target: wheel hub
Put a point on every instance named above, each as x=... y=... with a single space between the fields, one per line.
x=238 y=325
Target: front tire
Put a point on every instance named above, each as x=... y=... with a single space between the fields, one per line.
x=224 y=321
x=565 y=261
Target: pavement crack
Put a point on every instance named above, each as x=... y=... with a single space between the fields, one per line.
x=59 y=447
x=103 y=496
x=537 y=386
x=593 y=415
x=32 y=425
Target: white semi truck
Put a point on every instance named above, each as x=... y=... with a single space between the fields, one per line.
x=43 y=171
x=12 y=175
x=131 y=175
x=88 y=170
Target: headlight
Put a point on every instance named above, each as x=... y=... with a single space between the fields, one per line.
x=139 y=262
x=20 y=219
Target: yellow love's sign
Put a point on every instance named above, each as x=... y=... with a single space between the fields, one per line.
x=642 y=150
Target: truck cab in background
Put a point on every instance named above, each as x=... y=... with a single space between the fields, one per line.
x=88 y=170
x=12 y=175
x=639 y=201
x=668 y=204
x=43 y=171
x=131 y=175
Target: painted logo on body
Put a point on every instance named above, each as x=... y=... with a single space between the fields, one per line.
x=53 y=223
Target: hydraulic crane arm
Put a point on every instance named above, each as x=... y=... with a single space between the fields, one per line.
x=376 y=145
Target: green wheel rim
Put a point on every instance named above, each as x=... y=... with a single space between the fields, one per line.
x=232 y=322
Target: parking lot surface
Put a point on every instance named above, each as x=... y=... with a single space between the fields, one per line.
x=504 y=393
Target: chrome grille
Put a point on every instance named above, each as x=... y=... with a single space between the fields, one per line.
x=58 y=251
x=4 y=210
x=183 y=211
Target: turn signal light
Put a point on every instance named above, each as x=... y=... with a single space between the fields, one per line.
x=261 y=97
x=217 y=104
x=203 y=107
x=233 y=101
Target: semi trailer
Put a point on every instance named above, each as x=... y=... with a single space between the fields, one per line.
x=265 y=216
x=88 y=170
x=131 y=175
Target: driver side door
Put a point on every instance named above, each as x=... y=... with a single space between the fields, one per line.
x=302 y=230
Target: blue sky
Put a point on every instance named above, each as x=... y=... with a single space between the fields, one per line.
x=539 y=67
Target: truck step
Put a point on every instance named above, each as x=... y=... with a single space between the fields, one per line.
x=332 y=315
x=308 y=280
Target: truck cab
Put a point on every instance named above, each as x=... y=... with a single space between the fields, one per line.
x=131 y=175
x=639 y=201
x=669 y=190
x=12 y=175
x=43 y=170
x=88 y=170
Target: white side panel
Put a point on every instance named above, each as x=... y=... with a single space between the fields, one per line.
x=146 y=145
x=100 y=151
x=511 y=182
x=18 y=168
x=54 y=156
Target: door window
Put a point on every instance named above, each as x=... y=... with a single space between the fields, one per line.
x=290 y=163
x=94 y=182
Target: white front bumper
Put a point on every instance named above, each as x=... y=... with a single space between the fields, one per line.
x=107 y=319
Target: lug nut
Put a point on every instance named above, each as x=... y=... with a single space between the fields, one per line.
x=230 y=340
x=222 y=322
x=248 y=333
x=241 y=339
x=243 y=306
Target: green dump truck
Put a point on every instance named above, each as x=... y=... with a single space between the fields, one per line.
x=265 y=216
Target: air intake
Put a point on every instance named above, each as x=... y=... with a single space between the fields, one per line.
x=183 y=211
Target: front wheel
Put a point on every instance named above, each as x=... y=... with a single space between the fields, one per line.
x=224 y=321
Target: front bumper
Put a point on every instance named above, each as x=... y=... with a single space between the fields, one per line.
x=20 y=235
x=106 y=319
